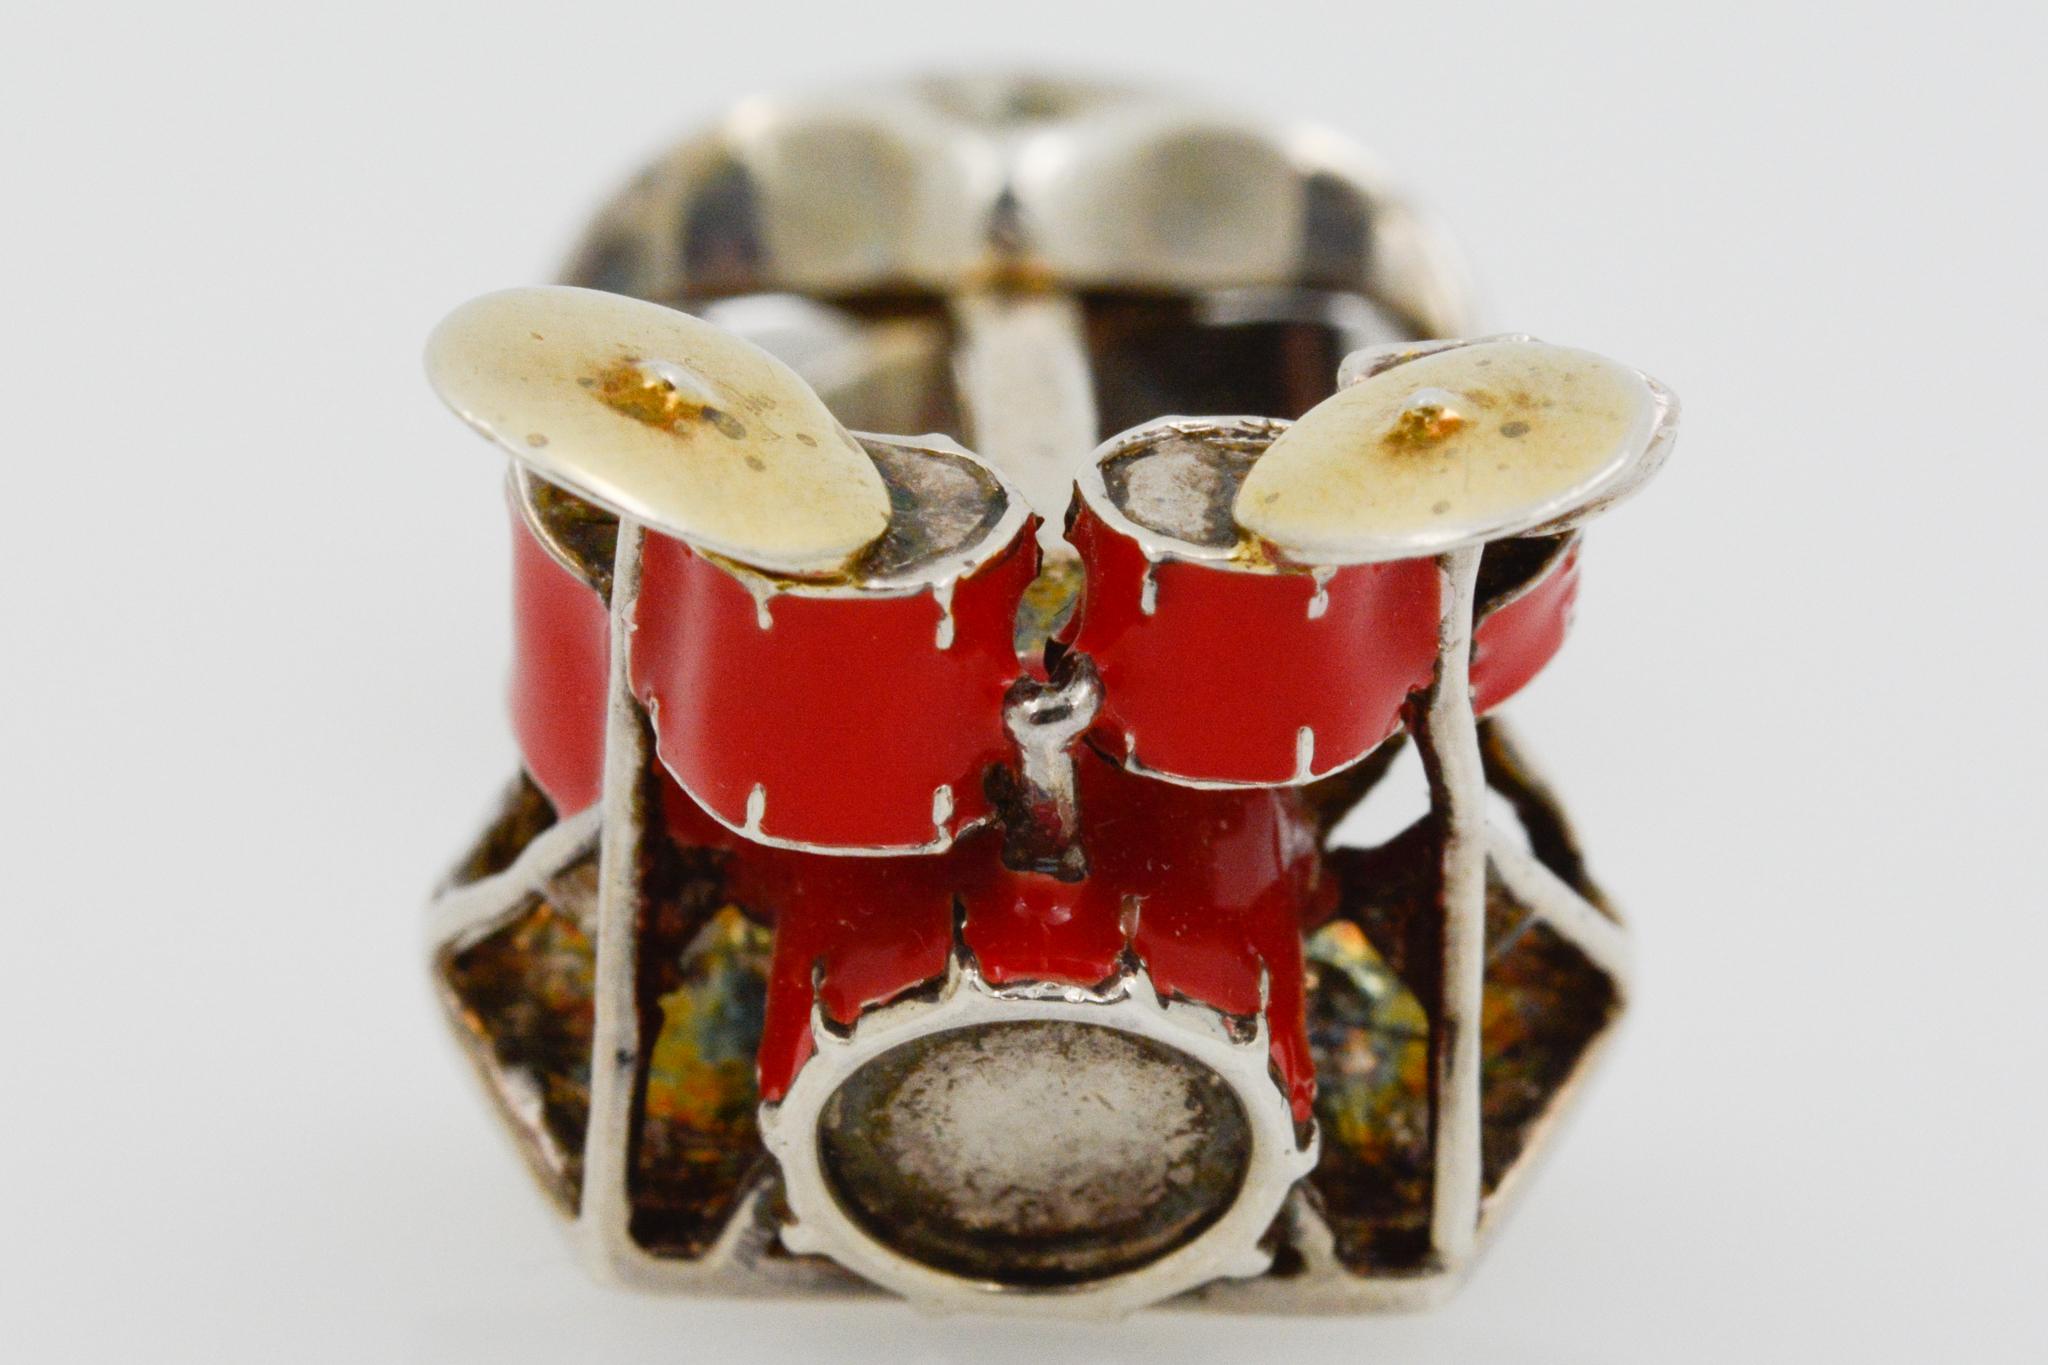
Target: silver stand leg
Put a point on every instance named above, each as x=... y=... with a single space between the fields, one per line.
x=1022 y=366
x=605 y=1213
x=1450 y=753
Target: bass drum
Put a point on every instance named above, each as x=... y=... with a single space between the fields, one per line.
x=1099 y=1089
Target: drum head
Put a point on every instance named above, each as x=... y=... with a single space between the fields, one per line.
x=946 y=508
x=1029 y=1154
x=1181 y=486
x=1172 y=485
x=663 y=417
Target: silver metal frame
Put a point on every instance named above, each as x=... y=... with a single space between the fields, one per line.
x=1449 y=742
x=1407 y=273
x=604 y=1212
x=461 y=916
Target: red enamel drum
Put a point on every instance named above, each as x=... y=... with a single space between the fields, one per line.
x=560 y=655
x=1527 y=590
x=856 y=714
x=1225 y=665
x=1206 y=891
x=1221 y=665
x=1052 y=1059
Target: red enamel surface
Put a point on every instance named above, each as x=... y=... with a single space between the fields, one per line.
x=1217 y=682
x=863 y=929
x=560 y=630
x=1513 y=644
x=849 y=714
x=1207 y=888
x=844 y=709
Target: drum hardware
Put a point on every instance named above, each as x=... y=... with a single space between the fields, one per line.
x=1041 y=815
x=1001 y=850
x=1023 y=367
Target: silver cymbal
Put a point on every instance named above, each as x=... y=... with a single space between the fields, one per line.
x=1433 y=449
x=665 y=418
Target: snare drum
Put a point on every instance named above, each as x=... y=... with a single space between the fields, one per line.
x=857 y=713
x=1220 y=665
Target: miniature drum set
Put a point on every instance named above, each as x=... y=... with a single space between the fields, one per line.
x=924 y=871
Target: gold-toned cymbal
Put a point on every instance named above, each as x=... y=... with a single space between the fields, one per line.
x=1447 y=447
x=663 y=417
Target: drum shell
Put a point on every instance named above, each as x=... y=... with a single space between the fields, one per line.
x=1215 y=684
x=829 y=718
x=1517 y=637
x=561 y=630
x=1207 y=891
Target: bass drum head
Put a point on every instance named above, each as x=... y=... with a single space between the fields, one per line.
x=1031 y=1154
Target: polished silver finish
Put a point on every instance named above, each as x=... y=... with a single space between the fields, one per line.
x=953 y=184
x=847 y=231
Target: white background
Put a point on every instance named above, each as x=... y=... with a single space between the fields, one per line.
x=255 y=636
